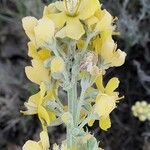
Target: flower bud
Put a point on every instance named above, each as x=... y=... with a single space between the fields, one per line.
x=141 y=110
x=57 y=65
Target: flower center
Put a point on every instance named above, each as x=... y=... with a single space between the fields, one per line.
x=72 y=6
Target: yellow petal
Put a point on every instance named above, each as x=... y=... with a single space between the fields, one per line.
x=105 y=123
x=106 y=35
x=50 y=95
x=44 y=32
x=44 y=140
x=50 y=9
x=107 y=49
x=32 y=104
x=46 y=117
x=90 y=123
x=42 y=90
x=35 y=98
x=99 y=83
x=44 y=54
x=52 y=116
x=28 y=24
x=88 y=8
x=31 y=145
x=32 y=51
x=97 y=44
x=99 y=14
x=80 y=44
x=118 y=58
x=73 y=29
x=112 y=85
x=43 y=116
x=104 y=105
x=105 y=22
x=59 y=19
x=37 y=73
x=91 y=22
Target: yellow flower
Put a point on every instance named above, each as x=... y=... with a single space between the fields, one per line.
x=103 y=44
x=109 y=55
x=106 y=101
x=67 y=16
x=35 y=106
x=37 y=73
x=41 y=54
x=100 y=21
x=43 y=144
x=40 y=32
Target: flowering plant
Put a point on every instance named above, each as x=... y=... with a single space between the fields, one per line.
x=71 y=48
x=141 y=110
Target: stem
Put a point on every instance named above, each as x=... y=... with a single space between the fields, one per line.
x=80 y=103
x=72 y=108
x=53 y=47
x=87 y=119
x=89 y=37
x=62 y=53
x=69 y=137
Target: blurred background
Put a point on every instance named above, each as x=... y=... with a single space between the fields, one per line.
x=127 y=132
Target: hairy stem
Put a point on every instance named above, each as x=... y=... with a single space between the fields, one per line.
x=72 y=108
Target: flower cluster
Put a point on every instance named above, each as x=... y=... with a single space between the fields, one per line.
x=141 y=110
x=71 y=45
